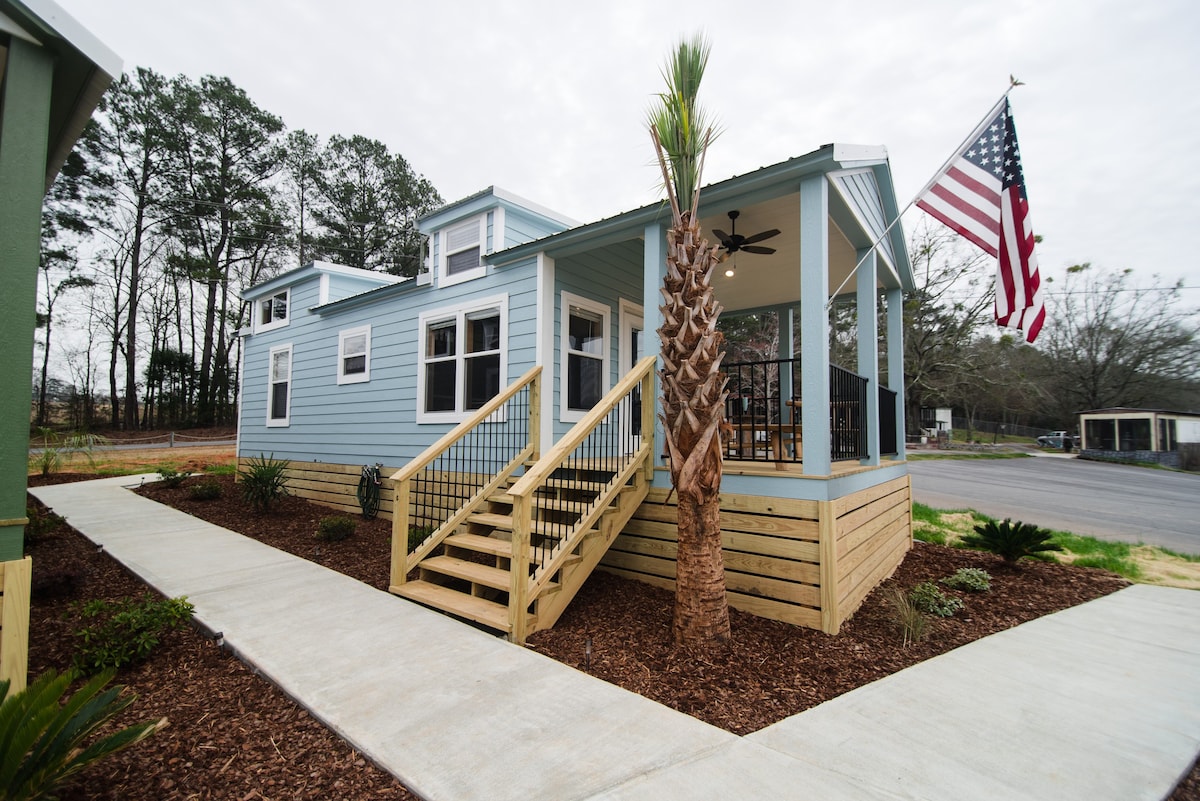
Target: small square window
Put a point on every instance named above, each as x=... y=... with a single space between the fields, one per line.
x=273 y=311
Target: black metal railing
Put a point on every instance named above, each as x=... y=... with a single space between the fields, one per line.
x=887 y=422
x=764 y=420
x=461 y=471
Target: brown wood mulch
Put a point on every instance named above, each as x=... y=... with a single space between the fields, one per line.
x=232 y=735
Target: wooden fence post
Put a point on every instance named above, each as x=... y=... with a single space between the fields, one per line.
x=518 y=600
x=400 y=525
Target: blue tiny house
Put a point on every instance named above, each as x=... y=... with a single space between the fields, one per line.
x=503 y=390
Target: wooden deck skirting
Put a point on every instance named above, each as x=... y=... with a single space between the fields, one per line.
x=15 y=578
x=810 y=563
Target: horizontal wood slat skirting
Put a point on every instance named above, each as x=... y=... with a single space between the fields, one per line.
x=775 y=559
x=773 y=550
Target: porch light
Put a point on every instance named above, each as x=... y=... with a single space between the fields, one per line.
x=731 y=269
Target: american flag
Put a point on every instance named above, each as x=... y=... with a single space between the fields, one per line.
x=981 y=195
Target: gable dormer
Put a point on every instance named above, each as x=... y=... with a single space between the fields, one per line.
x=462 y=235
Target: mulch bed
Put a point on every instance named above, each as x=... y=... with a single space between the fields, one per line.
x=233 y=735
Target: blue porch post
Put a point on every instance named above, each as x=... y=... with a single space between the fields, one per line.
x=653 y=271
x=814 y=324
x=24 y=131
x=895 y=350
x=868 y=347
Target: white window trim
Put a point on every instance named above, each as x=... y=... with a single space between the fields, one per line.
x=444 y=277
x=568 y=300
x=260 y=326
x=459 y=315
x=279 y=422
x=354 y=378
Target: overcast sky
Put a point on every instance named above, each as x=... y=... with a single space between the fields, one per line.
x=548 y=99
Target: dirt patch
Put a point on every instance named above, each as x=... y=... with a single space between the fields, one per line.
x=769 y=671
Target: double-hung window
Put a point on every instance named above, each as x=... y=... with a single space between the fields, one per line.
x=462 y=251
x=272 y=311
x=279 y=381
x=462 y=359
x=354 y=355
x=584 y=338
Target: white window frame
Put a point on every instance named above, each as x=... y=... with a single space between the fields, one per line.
x=259 y=325
x=279 y=422
x=567 y=300
x=354 y=378
x=444 y=252
x=459 y=315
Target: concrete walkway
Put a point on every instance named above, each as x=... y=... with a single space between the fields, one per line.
x=1098 y=702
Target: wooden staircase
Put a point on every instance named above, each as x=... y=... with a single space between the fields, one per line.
x=514 y=544
x=470 y=576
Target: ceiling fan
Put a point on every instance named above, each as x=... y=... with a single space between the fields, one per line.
x=733 y=242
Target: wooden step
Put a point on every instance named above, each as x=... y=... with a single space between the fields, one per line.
x=469 y=571
x=480 y=610
x=505 y=523
x=474 y=542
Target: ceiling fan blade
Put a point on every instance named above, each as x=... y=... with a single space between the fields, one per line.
x=757 y=249
x=750 y=240
x=724 y=237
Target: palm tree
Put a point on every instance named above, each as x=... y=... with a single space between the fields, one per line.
x=693 y=387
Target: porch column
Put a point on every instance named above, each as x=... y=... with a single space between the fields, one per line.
x=653 y=271
x=814 y=324
x=868 y=348
x=24 y=129
x=895 y=351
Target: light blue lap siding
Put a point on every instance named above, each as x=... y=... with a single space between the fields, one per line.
x=374 y=420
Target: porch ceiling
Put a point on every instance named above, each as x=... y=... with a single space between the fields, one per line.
x=763 y=281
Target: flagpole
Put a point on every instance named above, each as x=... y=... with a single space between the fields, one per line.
x=1013 y=83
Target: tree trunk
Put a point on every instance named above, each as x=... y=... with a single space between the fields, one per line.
x=693 y=409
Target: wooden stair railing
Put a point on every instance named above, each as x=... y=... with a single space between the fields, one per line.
x=582 y=455
x=441 y=471
x=517 y=553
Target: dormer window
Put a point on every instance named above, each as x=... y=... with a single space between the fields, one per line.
x=462 y=249
x=273 y=311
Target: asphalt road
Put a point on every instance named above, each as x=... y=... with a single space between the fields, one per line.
x=1107 y=501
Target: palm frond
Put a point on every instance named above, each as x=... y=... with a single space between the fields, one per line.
x=680 y=126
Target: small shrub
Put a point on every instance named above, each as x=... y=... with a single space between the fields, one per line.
x=264 y=481
x=932 y=601
x=971 y=579
x=119 y=633
x=910 y=621
x=417 y=535
x=1011 y=541
x=45 y=736
x=41 y=522
x=335 y=528
x=49 y=458
x=171 y=478
x=207 y=490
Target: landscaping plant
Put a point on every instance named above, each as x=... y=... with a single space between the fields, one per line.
x=1011 y=541
x=121 y=632
x=932 y=601
x=207 y=490
x=264 y=481
x=335 y=528
x=971 y=579
x=912 y=623
x=42 y=737
x=170 y=477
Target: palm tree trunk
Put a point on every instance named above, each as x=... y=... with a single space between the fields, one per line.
x=693 y=408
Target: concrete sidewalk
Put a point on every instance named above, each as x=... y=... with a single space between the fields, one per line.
x=1098 y=702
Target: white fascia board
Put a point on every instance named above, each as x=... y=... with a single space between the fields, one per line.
x=858 y=154
x=66 y=27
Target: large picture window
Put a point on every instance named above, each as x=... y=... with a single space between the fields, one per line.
x=279 y=380
x=584 y=335
x=462 y=359
x=354 y=355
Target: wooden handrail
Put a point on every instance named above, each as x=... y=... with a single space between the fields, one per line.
x=538 y=473
x=461 y=430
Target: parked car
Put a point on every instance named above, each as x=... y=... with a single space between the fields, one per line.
x=1056 y=439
